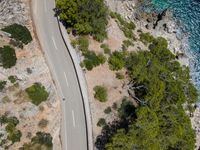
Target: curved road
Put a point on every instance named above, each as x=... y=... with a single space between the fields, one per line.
x=73 y=131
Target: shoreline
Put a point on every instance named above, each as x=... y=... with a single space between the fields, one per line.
x=169 y=28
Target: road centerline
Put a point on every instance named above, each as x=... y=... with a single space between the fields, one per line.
x=45 y=5
x=73 y=118
x=54 y=43
x=66 y=79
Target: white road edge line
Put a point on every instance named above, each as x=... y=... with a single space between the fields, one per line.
x=66 y=79
x=54 y=43
x=74 y=124
x=45 y=5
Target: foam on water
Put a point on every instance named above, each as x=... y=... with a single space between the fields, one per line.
x=187 y=15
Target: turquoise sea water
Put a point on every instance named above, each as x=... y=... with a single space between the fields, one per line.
x=187 y=15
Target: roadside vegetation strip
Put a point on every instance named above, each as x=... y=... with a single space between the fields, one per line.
x=84 y=17
x=161 y=87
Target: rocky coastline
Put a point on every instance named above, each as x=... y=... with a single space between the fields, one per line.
x=165 y=25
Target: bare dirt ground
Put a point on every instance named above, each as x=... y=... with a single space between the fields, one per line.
x=31 y=67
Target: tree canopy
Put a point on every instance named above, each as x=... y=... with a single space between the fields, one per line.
x=19 y=33
x=84 y=16
x=37 y=93
x=164 y=87
x=7 y=57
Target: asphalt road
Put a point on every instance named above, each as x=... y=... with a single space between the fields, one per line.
x=73 y=131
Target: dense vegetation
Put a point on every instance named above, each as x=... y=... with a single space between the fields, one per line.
x=117 y=60
x=146 y=38
x=7 y=57
x=37 y=93
x=84 y=16
x=14 y=135
x=100 y=93
x=91 y=59
x=162 y=87
x=19 y=33
x=40 y=141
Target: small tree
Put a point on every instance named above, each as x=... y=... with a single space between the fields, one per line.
x=12 y=79
x=107 y=110
x=37 y=93
x=2 y=85
x=43 y=123
x=100 y=93
x=19 y=33
x=105 y=48
x=146 y=38
x=43 y=139
x=83 y=44
x=116 y=61
x=101 y=122
x=7 y=57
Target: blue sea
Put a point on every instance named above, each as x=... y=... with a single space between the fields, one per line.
x=187 y=15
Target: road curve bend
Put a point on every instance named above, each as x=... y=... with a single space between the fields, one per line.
x=74 y=132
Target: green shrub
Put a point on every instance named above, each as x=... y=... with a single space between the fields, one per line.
x=12 y=120
x=2 y=85
x=101 y=122
x=106 y=48
x=126 y=44
x=114 y=106
x=127 y=32
x=126 y=109
x=7 y=57
x=14 y=135
x=100 y=36
x=131 y=25
x=100 y=93
x=43 y=123
x=43 y=139
x=101 y=58
x=92 y=60
x=74 y=43
x=146 y=38
x=119 y=76
x=19 y=33
x=126 y=27
x=160 y=50
x=116 y=61
x=107 y=110
x=113 y=14
x=37 y=93
x=12 y=79
x=83 y=44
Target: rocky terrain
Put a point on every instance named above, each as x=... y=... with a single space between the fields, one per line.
x=31 y=67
